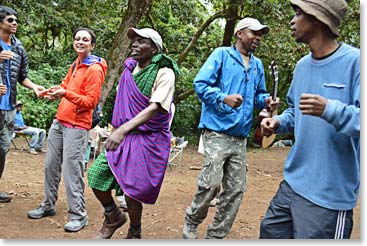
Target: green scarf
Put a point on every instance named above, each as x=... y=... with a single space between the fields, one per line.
x=145 y=78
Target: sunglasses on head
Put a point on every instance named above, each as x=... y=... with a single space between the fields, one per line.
x=11 y=20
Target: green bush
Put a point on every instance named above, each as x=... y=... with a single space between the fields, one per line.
x=40 y=112
x=186 y=119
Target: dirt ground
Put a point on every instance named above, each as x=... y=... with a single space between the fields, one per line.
x=24 y=174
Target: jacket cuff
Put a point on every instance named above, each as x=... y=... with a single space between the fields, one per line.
x=329 y=110
x=221 y=97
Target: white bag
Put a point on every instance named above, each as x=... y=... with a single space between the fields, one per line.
x=201 y=145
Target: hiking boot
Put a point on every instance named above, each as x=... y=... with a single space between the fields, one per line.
x=132 y=234
x=41 y=212
x=113 y=220
x=75 y=225
x=190 y=231
x=5 y=197
x=41 y=150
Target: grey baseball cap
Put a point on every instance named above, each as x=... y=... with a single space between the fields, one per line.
x=252 y=24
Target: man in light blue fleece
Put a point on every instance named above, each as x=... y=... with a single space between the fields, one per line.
x=322 y=171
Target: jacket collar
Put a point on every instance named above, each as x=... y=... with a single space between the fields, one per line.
x=91 y=59
x=234 y=52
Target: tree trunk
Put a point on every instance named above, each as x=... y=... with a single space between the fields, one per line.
x=232 y=16
x=120 y=46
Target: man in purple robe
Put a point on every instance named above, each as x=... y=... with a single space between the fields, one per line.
x=138 y=148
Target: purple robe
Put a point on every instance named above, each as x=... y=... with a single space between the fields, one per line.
x=140 y=161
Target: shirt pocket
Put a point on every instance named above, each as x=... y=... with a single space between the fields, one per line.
x=334 y=90
x=224 y=108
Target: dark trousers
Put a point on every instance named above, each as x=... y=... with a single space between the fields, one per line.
x=291 y=216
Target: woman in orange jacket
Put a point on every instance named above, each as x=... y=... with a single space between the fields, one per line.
x=68 y=135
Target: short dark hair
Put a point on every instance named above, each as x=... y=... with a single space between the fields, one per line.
x=92 y=34
x=5 y=11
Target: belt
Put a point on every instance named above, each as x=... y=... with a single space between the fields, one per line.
x=208 y=130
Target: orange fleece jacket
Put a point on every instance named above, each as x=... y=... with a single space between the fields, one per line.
x=83 y=89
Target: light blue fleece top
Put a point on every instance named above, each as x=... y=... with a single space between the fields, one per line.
x=222 y=74
x=323 y=165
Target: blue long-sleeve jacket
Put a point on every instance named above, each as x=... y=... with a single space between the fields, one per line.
x=224 y=73
x=324 y=163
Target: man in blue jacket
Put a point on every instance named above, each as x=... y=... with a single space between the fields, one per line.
x=38 y=135
x=13 y=70
x=230 y=84
x=321 y=173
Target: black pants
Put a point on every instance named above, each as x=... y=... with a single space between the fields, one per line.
x=291 y=216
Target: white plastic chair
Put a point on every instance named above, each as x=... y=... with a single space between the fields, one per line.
x=175 y=157
x=25 y=146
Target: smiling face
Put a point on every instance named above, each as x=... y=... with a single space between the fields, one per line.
x=83 y=43
x=142 y=50
x=248 y=40
x=9 y=24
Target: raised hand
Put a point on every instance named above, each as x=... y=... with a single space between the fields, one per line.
x=273 y=105
x=55 y=92
x=234 y=100
x=268 y=126
x=6 y=55
x=312 y=104
x=38 y=90
x=3 y=89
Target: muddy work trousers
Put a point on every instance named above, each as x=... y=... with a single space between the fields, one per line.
x=224 y=168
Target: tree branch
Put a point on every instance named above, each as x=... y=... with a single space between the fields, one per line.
x=194 y=39
x=182 y=96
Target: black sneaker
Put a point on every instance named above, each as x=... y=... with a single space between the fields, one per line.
x=41 y=212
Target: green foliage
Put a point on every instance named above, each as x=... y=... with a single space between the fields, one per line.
x=186 y=119
x=40 y=112
x=349 y=29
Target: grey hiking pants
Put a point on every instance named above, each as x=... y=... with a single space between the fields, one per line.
x=66 y=150
x=225 y=166
x=7 y=119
